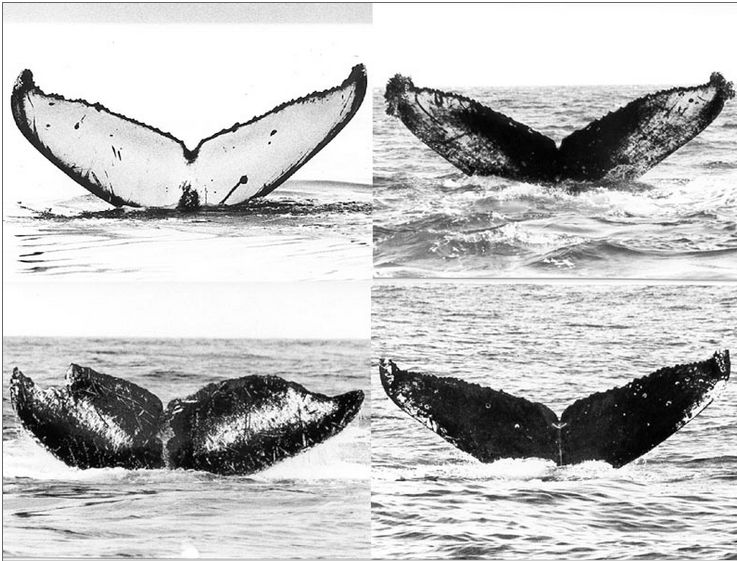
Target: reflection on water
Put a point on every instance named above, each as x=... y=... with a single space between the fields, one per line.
x=310 y=230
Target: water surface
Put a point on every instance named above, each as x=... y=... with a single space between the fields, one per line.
x=305 y=230
x=679 y=220
x=313 y=505
x=551 y=344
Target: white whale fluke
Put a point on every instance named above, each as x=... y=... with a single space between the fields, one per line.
x=126 y=162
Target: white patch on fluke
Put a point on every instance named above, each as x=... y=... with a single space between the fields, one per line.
x=289 y=412
x=703 y=403
x=106 y=426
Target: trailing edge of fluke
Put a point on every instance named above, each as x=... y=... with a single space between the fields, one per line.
x=126 y=162
x=616 y=426
x=622 y=145
x=234 y=427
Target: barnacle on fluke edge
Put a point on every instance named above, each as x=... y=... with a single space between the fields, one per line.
x=616 y=426
x=624 y=144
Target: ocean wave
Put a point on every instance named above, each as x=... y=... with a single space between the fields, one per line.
x=426 y=208
x=718 y=164
x=469 y=470
x=513 y=235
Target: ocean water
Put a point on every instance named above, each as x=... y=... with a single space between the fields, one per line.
x=305 y=230
x=313 y=505
x=552 y=344
x=678 y=221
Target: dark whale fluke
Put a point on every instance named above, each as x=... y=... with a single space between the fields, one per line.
x=126 y=162
x=243 y=426
x=622 y=145
x=94 y=421
x=616 y=426
x=236 y=427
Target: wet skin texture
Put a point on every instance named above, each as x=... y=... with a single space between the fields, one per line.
x=622 y=145
x=616 y=426
x=234 y=427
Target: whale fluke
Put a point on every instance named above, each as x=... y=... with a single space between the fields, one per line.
x=94 y=421
x=235 y=427
x=243 y=426
x=471 y=136
x=486 y=423
x=616 y=426
x=622 y=145
x=126 y=162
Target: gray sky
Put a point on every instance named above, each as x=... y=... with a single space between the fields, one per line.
x=299 y=310
x=214 y=12
x=446 y=45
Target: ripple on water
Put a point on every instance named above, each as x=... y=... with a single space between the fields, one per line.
x=424 y=203
x=310 y=231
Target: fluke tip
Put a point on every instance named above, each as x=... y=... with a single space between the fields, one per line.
x=24 y=81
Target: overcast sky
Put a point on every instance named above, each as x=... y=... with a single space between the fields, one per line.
x=441 y=45
x=195 y=12
x=301 y=310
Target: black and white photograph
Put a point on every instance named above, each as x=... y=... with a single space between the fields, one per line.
x=555 y=140
x=237 y=426
x=306 y=280
x=186 y=266
x=202 y=142
x=552 y=421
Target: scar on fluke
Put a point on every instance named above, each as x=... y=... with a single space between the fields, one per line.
x=234 y=427
x=616 y=426
x=624 y=144
x=146 y=166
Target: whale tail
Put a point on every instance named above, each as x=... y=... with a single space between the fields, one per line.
x=616 y=426
x=243 y=426
x=125 y=162
x=486 y=423
x=93 y=421
x=622 y=145
x=233 y=427
x=622 y=424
